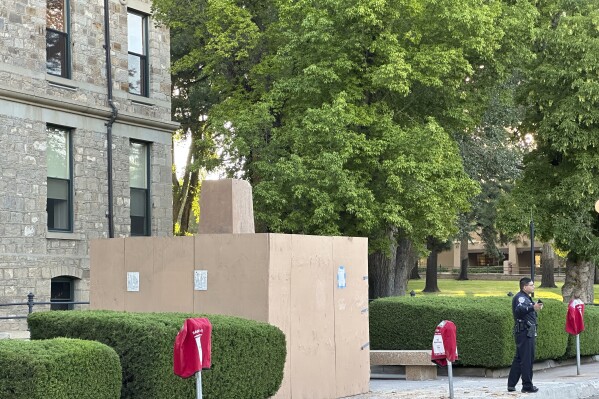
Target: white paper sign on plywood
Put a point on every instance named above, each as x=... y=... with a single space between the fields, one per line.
x=200 y=280
x=133 y=281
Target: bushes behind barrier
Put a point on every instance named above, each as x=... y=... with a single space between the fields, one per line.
x=484 y=327
x=247 y=356
x=59 y=369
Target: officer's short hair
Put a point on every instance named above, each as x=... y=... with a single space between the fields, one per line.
x=524 y=281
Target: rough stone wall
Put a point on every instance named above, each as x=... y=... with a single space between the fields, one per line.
x=22 y=41
x=30 y=256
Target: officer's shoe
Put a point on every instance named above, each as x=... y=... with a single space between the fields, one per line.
x=511 y=389
x=532 y=389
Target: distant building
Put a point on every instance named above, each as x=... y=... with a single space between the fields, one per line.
x=59 y=108
x=515 y=255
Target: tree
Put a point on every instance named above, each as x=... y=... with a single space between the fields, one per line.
x=339 y=113
x=559 y=183
x=434 y=246
x=340 y=131
x=414 y=274
x=492 y=152
x=206 y=66
x=464 y=261
x=548 y=262
x=491 y=155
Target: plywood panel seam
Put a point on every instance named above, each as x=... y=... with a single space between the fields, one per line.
x=335 y=291
x=290 y=328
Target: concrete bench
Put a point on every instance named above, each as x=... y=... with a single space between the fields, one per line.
x=418 y=363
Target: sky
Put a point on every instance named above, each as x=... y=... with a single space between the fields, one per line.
x=181 y=149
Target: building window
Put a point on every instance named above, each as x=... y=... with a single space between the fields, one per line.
x=57 y=38
x=486 y=260
x=59 y=200
x=61 y=290
x=138 y=53
x=139 y=162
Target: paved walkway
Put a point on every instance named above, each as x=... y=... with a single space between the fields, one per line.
x=554 y=382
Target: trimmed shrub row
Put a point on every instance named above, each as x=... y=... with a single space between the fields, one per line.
x=247 y=356
x=58 y=369
x=484 y=327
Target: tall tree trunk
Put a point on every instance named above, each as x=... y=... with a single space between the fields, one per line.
x=580 y=276
x=431 y=268
x=404 y=263
x=381 y=271
x=181 y=191
x=190 y=196
x=414 y=275
x=548 y=260
x=596 y=276
x=464 y=258
x=176 y=194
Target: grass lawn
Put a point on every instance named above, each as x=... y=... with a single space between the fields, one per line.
x=451 y=287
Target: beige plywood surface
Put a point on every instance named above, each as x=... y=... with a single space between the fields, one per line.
x=139 y=257
x=351 y=316
x=279 y=289
x=173 y=274
x=107 y=263
x=287 y=280
x=312 y=319
x=237 y=266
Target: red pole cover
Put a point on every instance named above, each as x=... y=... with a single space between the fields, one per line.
x=192 y=347
x=444 y=344
x=575 y=317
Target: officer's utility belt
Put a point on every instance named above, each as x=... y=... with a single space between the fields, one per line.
x=525 y=325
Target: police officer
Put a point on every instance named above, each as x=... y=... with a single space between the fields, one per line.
x=524 y=310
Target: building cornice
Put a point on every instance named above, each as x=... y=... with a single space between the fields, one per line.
x=98 y=112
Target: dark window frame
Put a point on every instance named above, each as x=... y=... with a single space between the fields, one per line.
x=65 y=37
x=143 y=58
x=148 y=193
x=56 y=303
x=69 y=228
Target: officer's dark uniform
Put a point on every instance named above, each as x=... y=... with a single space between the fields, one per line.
x=525 y=331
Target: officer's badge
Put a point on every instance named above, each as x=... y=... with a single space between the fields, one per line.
x=521 y=299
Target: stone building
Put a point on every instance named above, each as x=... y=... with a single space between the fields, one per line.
x=86 y=149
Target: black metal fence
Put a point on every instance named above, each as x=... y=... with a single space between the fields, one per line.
x=31 y=303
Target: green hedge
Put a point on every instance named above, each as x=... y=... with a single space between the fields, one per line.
x=484 y=327
x=58 y=369
x=247 y=356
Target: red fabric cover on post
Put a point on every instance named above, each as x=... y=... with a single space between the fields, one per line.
x=575 y=317
x=192 y=347
x=444 y=344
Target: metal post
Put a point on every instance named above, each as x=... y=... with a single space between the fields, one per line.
x=450 y=374
x=30 y=302
x=532 y=249
x=199 y=385
x=577 y=354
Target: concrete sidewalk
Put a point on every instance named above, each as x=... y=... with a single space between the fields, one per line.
x=554 y=380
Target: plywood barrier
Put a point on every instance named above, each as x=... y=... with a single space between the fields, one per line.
x=313 y=288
